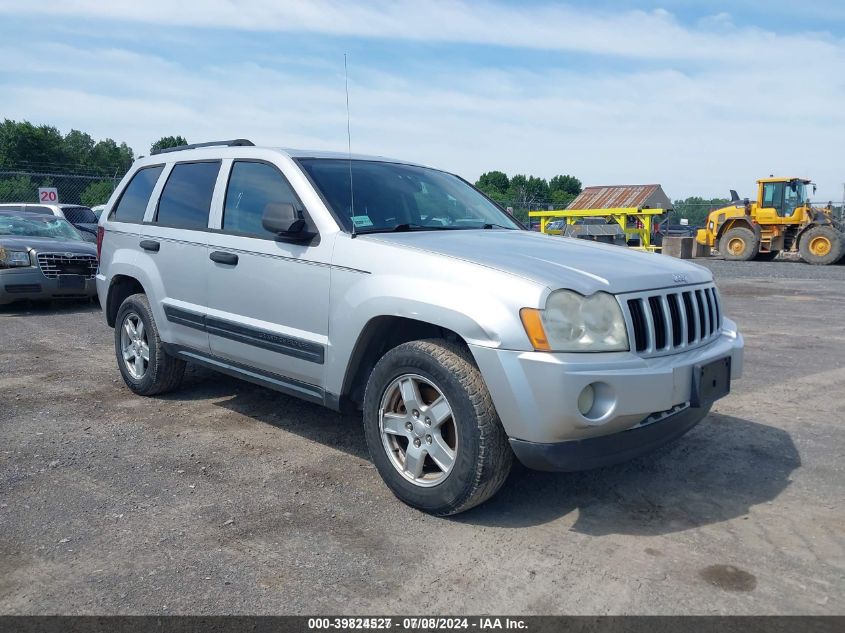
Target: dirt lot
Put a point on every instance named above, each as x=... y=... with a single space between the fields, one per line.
x=225 y=497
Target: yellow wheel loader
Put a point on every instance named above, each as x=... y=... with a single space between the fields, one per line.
x=781 y=219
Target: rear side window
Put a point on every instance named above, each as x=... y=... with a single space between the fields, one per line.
x=252 y=186
x=186 y=198
x=79 y=215
x=134 y=199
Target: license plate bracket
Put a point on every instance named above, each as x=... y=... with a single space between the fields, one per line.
x=72 y=282
x=710 y=382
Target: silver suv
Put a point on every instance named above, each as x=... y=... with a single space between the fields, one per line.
x=379 y=285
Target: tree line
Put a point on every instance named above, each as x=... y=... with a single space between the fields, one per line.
x=524 y=193
x=42 y=149
x=84 y=170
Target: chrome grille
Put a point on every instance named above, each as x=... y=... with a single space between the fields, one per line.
x=54 y=265
x=667 y=321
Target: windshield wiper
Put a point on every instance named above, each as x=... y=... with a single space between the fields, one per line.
x=403 y=228
x=497 y=226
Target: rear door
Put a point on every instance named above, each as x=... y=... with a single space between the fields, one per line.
x=174 y=242
x=267 y=298
x=123 y=225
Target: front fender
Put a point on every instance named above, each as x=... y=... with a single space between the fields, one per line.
x=483 y=313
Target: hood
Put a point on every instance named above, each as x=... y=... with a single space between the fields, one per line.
x=46 y=245
x=556 y=262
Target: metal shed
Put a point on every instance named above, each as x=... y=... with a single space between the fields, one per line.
x=622 y=196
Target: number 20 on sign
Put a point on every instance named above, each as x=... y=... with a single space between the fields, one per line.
x=48 y=195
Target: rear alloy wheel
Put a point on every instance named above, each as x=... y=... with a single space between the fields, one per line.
x=432 y=430
x=739 y=244
x=821 y=245
x=134 y=345
x=147 y=369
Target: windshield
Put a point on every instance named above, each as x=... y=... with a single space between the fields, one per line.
x=50 y=227
x=391 y=196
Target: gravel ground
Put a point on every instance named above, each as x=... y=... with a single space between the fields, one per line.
x=228 y=498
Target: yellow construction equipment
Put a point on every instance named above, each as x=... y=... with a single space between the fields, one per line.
x=781 y=219
x=636 y=222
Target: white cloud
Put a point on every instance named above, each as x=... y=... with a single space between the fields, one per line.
x=702 y=112
x=632 y=33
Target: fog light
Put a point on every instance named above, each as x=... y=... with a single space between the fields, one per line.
x=586 y=399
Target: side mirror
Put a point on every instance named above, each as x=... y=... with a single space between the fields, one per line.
x=282 y=219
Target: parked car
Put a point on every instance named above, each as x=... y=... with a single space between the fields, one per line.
x=98 y=210
x=361 y=283
x=43 y=257
x=79 y=216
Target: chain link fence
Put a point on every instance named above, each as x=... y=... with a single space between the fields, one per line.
x=74 y=186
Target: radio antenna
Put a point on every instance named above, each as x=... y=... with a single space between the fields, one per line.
x=349 y=147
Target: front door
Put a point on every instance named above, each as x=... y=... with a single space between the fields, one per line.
x=268 y=299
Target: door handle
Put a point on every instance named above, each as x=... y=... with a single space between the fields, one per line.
x=150 y=245
x=222 y=257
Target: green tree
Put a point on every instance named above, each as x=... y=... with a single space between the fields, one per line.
x=108 y=157
x=528 y=191
x=566 y=184
x=26 y=143
x=561 y=199
x=493 y=182
x=80 y=147
x=23 y=144
x=97 y=193
x=18 y=189
x=168 y=141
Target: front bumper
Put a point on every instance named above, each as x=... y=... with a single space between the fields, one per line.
x=18 y=284
x=605 y=450
x=536 y=393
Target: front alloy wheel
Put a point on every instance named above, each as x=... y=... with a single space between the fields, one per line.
x=431 y=427
x=418 y=430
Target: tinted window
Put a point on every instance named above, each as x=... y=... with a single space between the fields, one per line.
x=186 y=198
x=79 y=215
x=133 y=202
x=252 y=186
x=11 y=207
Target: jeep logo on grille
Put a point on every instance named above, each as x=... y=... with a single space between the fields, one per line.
x=679 y=278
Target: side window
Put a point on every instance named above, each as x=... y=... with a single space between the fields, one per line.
x=133 y=201
x=773 y=195
x=252 y=186
x=79 y=215
x=186 y=198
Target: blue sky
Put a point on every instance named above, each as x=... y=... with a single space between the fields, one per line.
x=700 y=97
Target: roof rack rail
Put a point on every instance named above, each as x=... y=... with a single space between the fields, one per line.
x=237 y=142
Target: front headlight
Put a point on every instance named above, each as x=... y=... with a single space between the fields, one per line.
x=574 y=323
x=13 y=259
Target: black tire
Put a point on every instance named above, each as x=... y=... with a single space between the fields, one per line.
x=828 y=238
x=483 y=457
x=766 y=257
x=163 y=372
x=742 y=236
